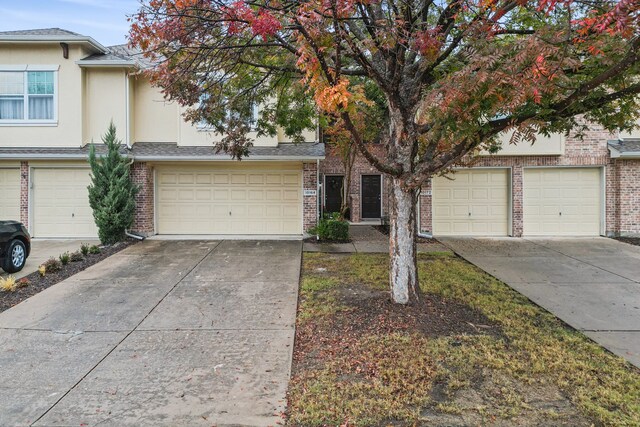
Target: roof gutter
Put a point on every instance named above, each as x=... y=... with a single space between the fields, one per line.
x=53 y=39
x=151 y=158
x=105 y=64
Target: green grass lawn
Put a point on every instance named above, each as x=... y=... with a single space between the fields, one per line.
x=472 y=352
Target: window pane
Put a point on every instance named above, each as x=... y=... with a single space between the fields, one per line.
x=41 y=107
x=11 y=108
x=40 y=82
x=11 y=83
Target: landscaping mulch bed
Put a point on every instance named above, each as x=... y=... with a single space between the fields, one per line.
x=36 y=283
x=630 y=240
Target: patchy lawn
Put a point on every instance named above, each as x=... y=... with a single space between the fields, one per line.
x=472 y=352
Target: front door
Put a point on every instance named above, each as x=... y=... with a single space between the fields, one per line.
x=371 y=185
x=333 y=193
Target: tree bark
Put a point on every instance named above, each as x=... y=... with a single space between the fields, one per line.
x=403 y=271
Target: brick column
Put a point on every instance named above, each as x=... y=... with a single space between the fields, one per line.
x=142 y=175
x=612 y=202
x=426 y=220
x=310 y=203
x=24 y=193
x=629 y=197
x=517 y=200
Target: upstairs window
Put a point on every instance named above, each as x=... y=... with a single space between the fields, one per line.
x=27 y=96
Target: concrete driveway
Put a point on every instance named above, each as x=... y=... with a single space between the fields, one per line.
x=164 y=333
x=42 y=250
x=593 y=284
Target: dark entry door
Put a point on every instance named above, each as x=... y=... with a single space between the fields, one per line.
x=333 y=193
x=371 y=196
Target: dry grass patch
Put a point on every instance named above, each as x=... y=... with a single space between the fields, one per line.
x=473 y=352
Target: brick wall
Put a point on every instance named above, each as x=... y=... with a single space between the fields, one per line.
x=310 y=203
x=142 y=175
x=590 y=150
x=24 y=193
x=332 y=165
x=627 y=197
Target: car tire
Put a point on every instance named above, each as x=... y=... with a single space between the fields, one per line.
x=16 y=257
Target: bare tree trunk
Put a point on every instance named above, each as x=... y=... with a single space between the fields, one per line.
x=403 y=272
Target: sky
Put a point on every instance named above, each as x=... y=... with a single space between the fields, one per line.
x=104 y=20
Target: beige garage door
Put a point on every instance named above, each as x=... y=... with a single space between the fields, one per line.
x=474 y=203
x=230 y=199
x=562 y=202
x=61 y=203
x=10 y=194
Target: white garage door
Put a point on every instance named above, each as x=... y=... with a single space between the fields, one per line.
x=473 y=202
x=562 y=202
x=61 y=203
x=230 y=199
x=10 y=194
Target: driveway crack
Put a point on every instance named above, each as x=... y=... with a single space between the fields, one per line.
x=127 y=335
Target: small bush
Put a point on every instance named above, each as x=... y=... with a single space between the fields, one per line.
x=94 y=250
x=76 y=256
x=332 y=227
x=8 y=284
x=52 y=265
x=42 y=270
x=84 y=248
x=24 y=282
x=64 y=258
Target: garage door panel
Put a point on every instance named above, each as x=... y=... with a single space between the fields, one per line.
x=239 y=202
x=60 y=203
x=10 y=190
x=562 y=201
x=478 y=206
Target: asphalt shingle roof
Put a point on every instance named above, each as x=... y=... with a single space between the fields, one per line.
x=168 y=151
x=155 y=150
x=630 y=145
x=40 y=32
x=122 y=52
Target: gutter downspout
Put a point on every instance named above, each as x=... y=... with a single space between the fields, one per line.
x=127 y=113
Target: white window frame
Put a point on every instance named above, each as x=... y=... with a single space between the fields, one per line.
x=255 y=110
x=25 y=69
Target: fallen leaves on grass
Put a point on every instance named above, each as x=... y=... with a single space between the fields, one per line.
x=472 y=352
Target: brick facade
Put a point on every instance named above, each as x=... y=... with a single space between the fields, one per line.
x=310 y=203
x=24 y=193
x=332 y=165
x=622 y=181
x=142 y=175
x=626 y=197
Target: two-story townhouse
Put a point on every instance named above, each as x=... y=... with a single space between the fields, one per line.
x=58 y=92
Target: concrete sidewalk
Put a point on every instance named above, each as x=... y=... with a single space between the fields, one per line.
x=366 y=239
x=593 y=284
x=164 y=333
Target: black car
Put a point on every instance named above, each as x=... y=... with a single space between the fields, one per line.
x=15 y=246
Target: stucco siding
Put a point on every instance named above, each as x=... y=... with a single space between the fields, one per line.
x=67 y=132
x=105 y=100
